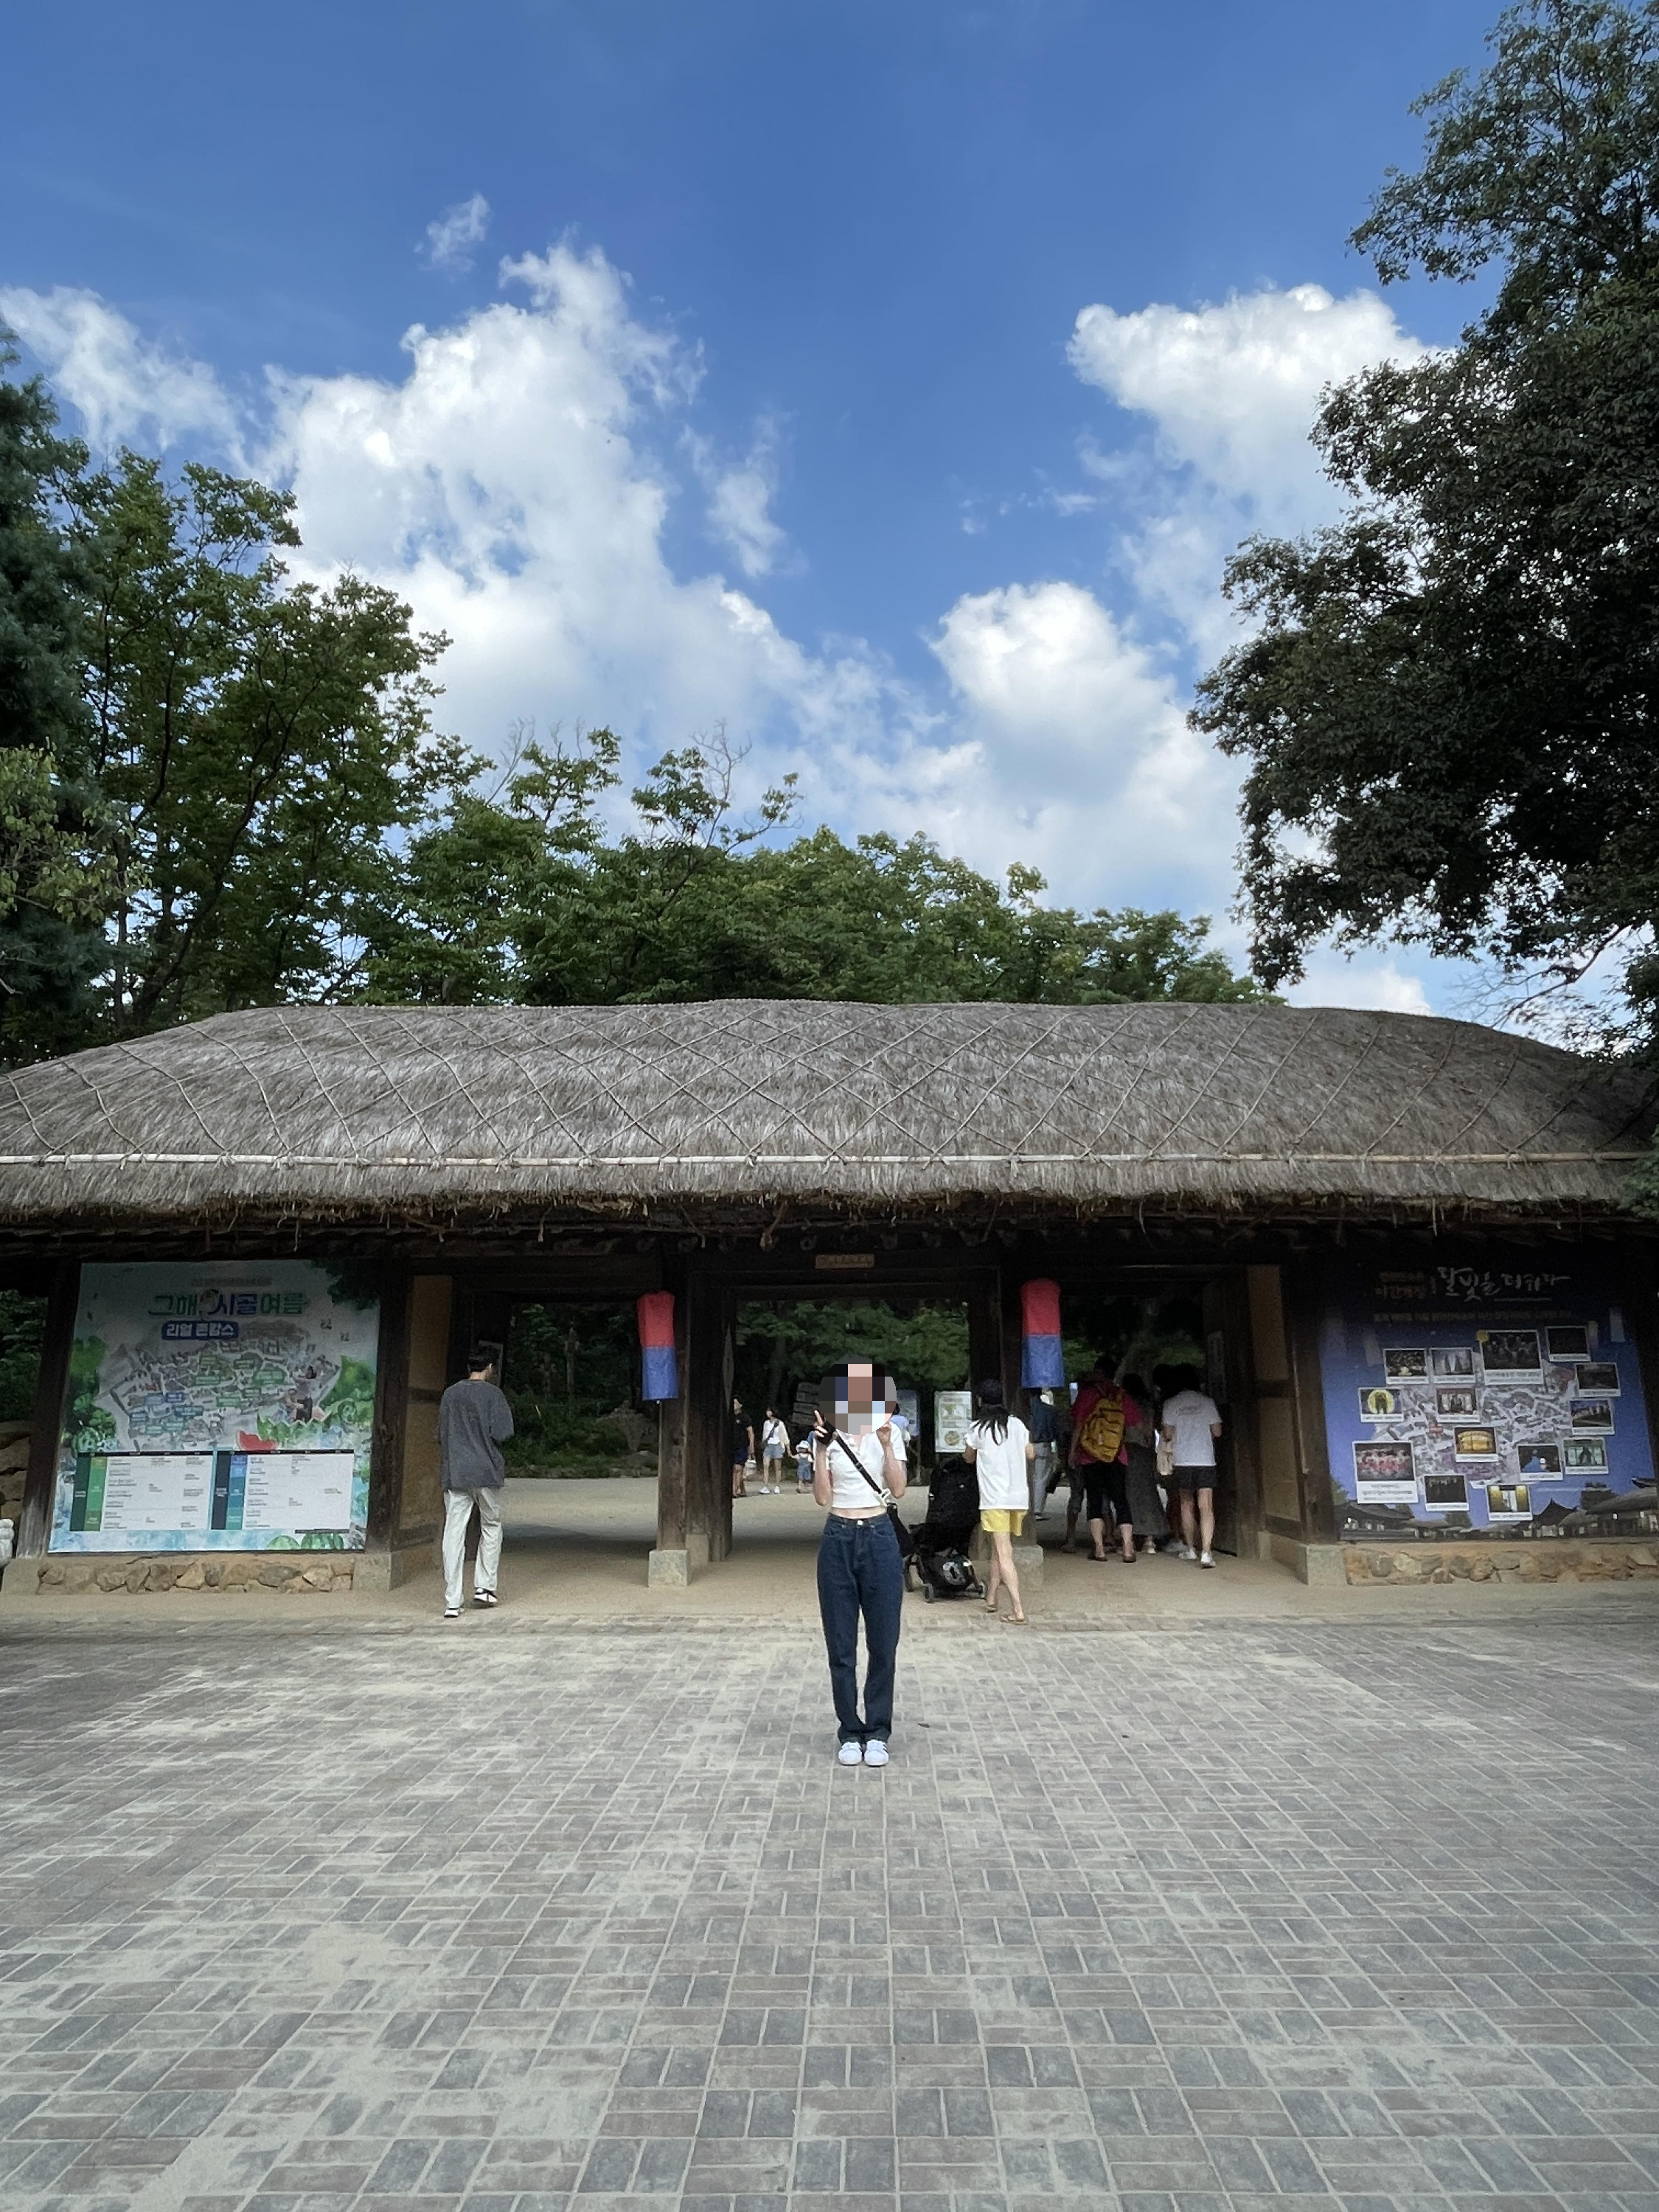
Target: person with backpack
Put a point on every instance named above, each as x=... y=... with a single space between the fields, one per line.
x=1101 y=1421
x=999 y=1449
x=859 y=1475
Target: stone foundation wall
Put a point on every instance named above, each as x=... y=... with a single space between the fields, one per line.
x=1560 y=1559
x=306 y=1573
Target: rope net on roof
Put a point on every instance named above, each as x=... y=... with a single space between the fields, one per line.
x=487 y=1108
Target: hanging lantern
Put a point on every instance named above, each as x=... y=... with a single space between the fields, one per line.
x=1042 y=1362
x=660 y=1372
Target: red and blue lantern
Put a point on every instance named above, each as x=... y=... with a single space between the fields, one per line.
x=660 y=1369
x=1042 y=1360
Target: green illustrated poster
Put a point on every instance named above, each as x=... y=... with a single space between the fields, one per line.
x=225 y=1406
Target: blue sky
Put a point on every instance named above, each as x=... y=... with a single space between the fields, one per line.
x=887 y=382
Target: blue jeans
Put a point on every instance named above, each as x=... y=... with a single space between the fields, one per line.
x=860 y=1572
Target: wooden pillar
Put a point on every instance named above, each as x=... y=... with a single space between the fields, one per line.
x=706 y=1392
x=40 y=1484
x=1304 y=1292
x=671 y=1438
x=386 y=1452
x=988 y=1336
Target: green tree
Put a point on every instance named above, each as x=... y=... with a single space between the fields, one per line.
x=1448 y=704
x=55 y=869
x=259 y=741
x=518 y=896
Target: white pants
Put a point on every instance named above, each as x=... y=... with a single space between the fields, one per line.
x=458 y=1512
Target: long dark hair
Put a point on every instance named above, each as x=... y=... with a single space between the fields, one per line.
x=992 y=1412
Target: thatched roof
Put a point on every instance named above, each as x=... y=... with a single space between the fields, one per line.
x=665 y=1111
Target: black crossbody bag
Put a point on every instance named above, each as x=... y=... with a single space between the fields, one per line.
x=880 y=1488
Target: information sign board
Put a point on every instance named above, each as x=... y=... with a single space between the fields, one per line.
x=219 y=1406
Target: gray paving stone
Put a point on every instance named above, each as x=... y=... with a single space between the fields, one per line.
x=346 y=1920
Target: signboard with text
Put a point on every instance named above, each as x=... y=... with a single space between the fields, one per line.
x=1464 y=1398
x=216 y=1406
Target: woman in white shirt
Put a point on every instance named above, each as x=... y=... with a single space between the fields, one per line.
x=857 y=1466
x=999 y=1449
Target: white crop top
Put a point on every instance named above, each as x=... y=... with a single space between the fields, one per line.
x=849 y=1490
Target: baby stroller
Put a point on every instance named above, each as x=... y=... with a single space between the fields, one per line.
x=939 y=1565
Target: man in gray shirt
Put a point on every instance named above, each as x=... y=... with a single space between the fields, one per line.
x=474 y=1422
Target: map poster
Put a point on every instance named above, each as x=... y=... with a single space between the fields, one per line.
x=1473 y=1398
x=221 y=1406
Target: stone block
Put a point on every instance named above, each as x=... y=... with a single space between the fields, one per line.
x=669 y=1569
x=1028 y=1566
x=192 y=1575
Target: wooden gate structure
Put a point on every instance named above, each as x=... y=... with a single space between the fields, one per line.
x=452 y=1160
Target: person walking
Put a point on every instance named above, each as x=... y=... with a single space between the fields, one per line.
x=1140 y=1487
x=1044 y=1426
x=474 y=1422
x=1101 y=1421
x=1191 y=1423
x=743 y=1448
x=857 y=1471
x=999 y=1449
x=775 y=1444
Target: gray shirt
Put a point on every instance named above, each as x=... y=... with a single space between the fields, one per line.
x=474 y=1422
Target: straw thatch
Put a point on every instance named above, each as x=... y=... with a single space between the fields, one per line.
x=342 y=1113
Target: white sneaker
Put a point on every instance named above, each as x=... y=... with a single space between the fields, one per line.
x=1204 y=1560
x=1188 y=1553
x=850 y=1754
x=452 y=1612
x=875 y=1753
x=484 y=1597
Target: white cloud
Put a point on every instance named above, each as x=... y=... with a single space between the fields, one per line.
x=1372 y=980
x=450 y=240
x=1231 y=393
x=125 y=386
x=1084 y=752
x=740 y=497
x=513 y=486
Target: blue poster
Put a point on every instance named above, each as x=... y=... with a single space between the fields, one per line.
x=1471 y=1397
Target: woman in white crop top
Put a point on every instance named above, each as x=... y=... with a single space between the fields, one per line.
x=858 y=1465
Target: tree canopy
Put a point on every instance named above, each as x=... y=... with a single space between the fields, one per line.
x=1448 y=701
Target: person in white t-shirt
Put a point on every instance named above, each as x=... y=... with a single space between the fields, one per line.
x=999 y=1449
x=775 y=1444
x=1190 y=1423
x=858 y=1470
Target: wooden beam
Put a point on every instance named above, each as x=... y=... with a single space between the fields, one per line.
x=57 y=1341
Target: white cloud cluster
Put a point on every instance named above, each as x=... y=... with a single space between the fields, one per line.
x=450 y=239
x=740 y=497
x=1231 y=392
x=123 y=386
x=515 y=484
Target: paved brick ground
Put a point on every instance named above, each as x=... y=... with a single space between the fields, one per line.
x=522 y=1920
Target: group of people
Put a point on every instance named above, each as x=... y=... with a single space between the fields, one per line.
x=1139 y=1463
x=859 y=1473
x=768 y=1453
x=1116 y=1441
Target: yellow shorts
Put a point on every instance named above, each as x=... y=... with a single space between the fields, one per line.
x=1002 y=1520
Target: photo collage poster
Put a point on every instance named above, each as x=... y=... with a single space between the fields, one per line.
x=1501 y=1400
x=222 y=1406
